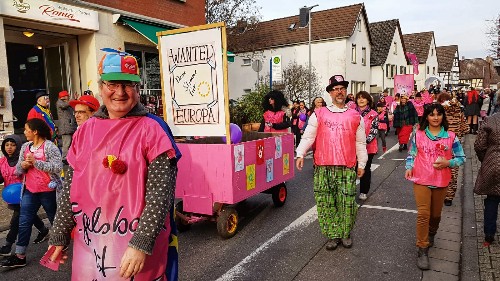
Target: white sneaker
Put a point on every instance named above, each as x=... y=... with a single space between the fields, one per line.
x=362 y=196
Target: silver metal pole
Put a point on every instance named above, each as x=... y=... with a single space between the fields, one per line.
x=310 y=65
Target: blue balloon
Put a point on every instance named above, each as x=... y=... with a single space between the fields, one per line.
x=12 y=193
x=236 y=133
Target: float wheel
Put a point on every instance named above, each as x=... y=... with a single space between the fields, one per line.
x=227 y=222
x=279 y=195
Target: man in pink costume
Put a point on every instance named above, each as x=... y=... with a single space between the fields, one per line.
x=339 y=134
x=120 y=185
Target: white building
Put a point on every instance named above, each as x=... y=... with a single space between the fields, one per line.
x=424 y=46
x=338 y=47
x=449 y=70
x=387 y=56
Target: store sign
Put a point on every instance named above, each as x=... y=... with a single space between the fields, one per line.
x=276 y=68
x=50 y=12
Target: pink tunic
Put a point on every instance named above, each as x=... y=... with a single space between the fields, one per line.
x=381 y=116
x=419 y=106
x=36 y=180
x=427 y=153
x=107 y=206
x=336 y=137
x=8 y=173
x=389 y=100
x=273 y=117
x=371 y=147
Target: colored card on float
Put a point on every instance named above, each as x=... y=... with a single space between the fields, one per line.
x=239 y=158
x=279 y=148
x=269 y=170
x=260 y=152
x=286 y=164
x=250 y=177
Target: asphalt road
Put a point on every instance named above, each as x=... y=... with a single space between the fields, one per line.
x=286 y=244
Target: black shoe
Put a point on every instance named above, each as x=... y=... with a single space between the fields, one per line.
x=65 y=162
x=13 y=261
x=400 y=148
x=42 y=236
x=448 y=202
x=5 y=250
x=332 y=244
x=405 y=147
x=489 y=238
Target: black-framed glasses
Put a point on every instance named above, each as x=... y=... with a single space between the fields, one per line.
x=339 y=89
x=113 y=86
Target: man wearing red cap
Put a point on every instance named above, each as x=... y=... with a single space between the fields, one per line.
x=67 y=122
x=84 y=107
x=339 y=134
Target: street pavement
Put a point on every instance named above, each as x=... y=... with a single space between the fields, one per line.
x=286 y=244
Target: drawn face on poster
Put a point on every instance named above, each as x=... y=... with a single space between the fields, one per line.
x=192 y=71
x=286 y=164
x=260 y=152
x=250 y=173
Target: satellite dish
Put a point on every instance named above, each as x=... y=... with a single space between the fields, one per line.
x=257 y=65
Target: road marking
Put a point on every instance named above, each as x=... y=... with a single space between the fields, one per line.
x=389 y=209
x=398 y=159
x=394 y=148
x=239 y=270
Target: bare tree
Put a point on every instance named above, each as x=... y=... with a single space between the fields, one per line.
x=494 y=38
x=295 y=84
x=232 y=12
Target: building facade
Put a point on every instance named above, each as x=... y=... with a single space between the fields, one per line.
x=336 y=48
x=423 y=45
x=388 y=55
x=53 y=46
x=449 y=69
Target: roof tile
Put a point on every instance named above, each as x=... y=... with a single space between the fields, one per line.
x=419 y=44
x=445 y=56
x=326 y=24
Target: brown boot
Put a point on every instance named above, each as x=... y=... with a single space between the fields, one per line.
x=423 y=258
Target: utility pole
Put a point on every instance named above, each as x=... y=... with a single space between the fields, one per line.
x=305 y=20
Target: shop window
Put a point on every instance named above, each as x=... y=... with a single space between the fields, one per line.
x=149 y=68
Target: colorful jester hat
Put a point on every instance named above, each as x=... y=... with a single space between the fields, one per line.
x=118 y=66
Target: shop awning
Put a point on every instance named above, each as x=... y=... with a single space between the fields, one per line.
x=149 y=31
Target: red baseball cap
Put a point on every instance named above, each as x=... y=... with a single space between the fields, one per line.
x=87 y=100
x=63 y=94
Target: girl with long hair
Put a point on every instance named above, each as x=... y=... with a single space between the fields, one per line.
x=433 y=152
x=472 y=110
x=39 y=160
x=364 y=104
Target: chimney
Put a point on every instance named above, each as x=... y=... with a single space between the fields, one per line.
x=463 y=57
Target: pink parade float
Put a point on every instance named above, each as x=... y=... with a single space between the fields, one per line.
x=215 y=173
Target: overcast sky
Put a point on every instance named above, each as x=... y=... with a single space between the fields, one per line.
x=454 y=22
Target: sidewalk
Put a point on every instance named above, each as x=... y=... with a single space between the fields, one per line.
x=480 y=262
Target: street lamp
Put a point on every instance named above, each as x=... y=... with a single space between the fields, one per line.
x=305 y=20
